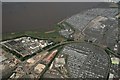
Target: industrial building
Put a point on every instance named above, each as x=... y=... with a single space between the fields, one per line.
x=39 y=68
x=25 y=46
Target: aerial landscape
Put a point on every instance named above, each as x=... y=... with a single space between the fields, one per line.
x=83 y=46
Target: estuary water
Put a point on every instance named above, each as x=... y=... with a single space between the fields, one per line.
x=40 y=16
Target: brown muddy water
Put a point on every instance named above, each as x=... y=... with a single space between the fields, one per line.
x=40 y=16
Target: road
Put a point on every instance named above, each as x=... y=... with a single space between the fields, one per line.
x=45 y=51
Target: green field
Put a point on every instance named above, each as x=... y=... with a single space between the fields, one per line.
x=52 y=35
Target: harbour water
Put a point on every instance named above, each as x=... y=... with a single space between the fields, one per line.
x=39 y=16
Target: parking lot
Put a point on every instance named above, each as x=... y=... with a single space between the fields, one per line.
x=86 y=61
